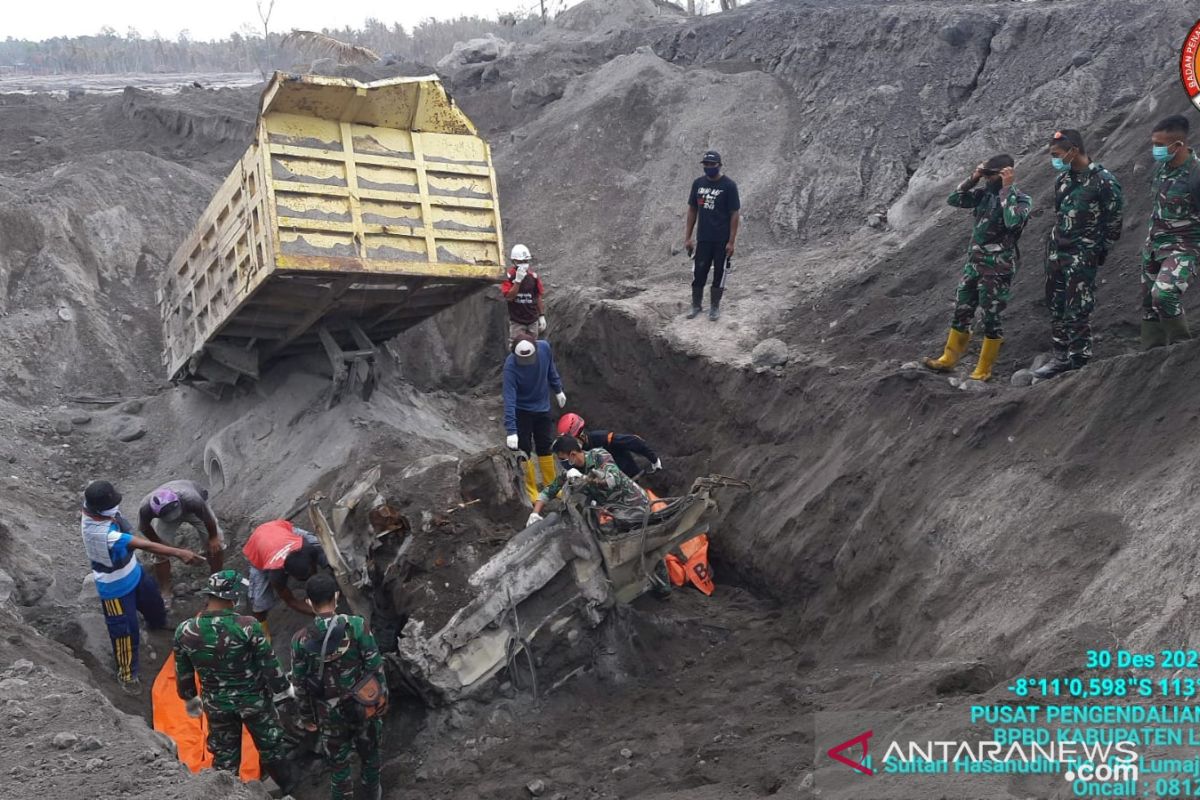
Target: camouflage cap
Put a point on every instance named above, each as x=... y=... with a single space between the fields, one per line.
x=228 y=584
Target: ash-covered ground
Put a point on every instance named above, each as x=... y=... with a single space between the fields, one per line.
x=907 y=548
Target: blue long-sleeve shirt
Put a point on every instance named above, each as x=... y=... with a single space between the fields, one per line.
x=527 y=386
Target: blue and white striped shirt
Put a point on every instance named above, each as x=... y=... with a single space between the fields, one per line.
x=114 y=563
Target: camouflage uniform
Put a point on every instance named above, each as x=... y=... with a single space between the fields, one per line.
x=1173 y=242
x=992 y=255
x=324 y=701
x=239 y=679
x=607 y=484
x=1088 y=206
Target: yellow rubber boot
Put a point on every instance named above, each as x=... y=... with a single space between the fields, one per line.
x=987 y=357
x=956 y=345
x=548 y=467
x=531 y=484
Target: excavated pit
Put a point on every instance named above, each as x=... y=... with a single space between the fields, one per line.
x=907 y=548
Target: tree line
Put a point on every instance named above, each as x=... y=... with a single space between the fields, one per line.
x=246 y=51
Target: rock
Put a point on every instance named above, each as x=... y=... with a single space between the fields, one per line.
x=65 y=740
x=1080 y=58
x=1039 y=361
x=769 y=353
x=626 y=752
x=131 y=407
x=93 y=764
x=1022 y=377
x=38 y=139
x=7 y=586
x=165 y=742
x=973 y=386
x=131 y=431
x=81 y=419
x=89 y=744
x=875 y=221
x=63 y=426
x=536 y=787
x=807 y=781
x=13 y=689
x=65 y=313
x=622 y=769
x=22 y=666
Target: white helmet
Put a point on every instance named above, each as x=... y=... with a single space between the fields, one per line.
x=520 y=253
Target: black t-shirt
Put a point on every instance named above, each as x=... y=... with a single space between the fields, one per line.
x=715 y=202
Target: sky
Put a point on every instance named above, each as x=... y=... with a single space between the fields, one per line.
x=216 y=19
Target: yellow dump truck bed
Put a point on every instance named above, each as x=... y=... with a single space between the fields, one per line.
x=359 y=210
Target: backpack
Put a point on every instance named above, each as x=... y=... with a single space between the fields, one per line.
x=368 y=695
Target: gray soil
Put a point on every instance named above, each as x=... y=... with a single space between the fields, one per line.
x=908 y=547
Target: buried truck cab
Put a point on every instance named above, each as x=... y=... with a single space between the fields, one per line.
x=358 y=210
x=559 y=575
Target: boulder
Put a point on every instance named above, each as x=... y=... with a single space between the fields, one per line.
x=769 y=353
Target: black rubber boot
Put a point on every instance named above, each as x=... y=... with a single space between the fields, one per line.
x=1176 y=329
x=1053 y=368
x=284 y=773
x=714 y=312
x=697 y=299
x=1153 y=334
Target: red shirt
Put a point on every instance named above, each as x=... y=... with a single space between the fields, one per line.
x=523 y=309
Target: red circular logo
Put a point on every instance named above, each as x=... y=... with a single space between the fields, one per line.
x=1189 y=66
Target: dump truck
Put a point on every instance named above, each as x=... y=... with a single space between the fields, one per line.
x=359 y=210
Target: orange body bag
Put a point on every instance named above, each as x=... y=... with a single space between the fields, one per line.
x=691 y=564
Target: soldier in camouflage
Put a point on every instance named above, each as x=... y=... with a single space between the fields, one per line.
x=1169 y=257
x=601 y=479
x=1000 y=213
x=1088 y=207
x=240 y=679
x=329 y=656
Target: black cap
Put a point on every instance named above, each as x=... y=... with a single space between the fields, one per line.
x=711 y=155
x=100 y=496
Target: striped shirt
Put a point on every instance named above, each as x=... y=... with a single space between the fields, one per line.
x=114 y=563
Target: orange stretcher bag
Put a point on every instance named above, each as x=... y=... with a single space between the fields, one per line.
x=190 y=734
x=691 y=564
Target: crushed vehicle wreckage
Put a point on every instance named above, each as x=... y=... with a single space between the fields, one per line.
x=522 y=607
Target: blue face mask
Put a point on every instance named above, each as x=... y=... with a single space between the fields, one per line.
x=1161 y=152
x=712 y=172
x=1059 y=164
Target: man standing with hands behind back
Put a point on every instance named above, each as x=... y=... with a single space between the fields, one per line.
x=713 y=219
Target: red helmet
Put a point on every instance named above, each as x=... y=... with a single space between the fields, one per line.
x=570 y=425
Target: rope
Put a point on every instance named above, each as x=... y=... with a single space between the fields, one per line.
x=511 y=651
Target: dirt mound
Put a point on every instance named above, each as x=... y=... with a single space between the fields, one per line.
x=605 y=16
x=928 y=539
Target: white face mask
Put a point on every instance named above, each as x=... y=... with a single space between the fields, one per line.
x=112 y=512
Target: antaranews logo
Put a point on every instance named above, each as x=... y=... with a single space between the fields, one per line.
x=1189 y=64
x=863 y=765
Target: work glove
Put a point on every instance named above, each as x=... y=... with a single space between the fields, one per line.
x=561 y=397
x=534 y=517
x=574 y=474
x=542 y=324
x=194 y=707
x=511 y=441
x=656 y=466
x=522 y=271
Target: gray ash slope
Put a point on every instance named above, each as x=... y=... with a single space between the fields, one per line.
x=899 y=522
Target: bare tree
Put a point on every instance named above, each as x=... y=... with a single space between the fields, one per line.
x=264 y=15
